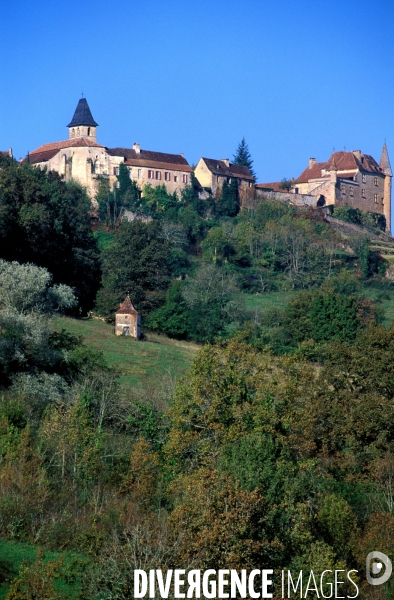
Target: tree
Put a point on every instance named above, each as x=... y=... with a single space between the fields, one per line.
x=227 y=205
x=128 y=193
x=45 y=221
x=27 y=301
x=243 y=158
x=286 y=184
x=137 y=263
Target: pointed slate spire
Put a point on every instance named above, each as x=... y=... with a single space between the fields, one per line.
x=385 y=162
x=82 y=115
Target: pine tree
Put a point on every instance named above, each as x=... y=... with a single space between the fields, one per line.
x=243 y=158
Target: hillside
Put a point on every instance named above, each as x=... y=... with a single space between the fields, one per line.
x=138 y=363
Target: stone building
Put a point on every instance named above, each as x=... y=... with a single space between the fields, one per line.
x=81 y=158
x=212 y=173
x=155 y=168
x=349 y=178
x=128 y=320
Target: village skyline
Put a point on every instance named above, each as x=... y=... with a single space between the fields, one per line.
x=176 y=79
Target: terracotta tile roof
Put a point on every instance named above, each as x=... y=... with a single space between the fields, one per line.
x=313 y=172
x=219 y=167
x=147 y=158
x=47 y=151
x=158 y=165
x=275 y=186
x=126 y=308
x=39 y=157
x=341 y=161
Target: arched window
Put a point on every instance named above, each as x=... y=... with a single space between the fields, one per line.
x=88 y=130
x=73 y=132
x=77 y=131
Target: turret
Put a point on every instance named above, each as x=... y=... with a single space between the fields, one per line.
x=386 y=168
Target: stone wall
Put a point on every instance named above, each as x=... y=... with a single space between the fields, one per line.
x=288 y=197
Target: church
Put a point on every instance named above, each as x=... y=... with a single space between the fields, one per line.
x=83 y=159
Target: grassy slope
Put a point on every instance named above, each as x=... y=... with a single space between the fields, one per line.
x=137 y=361
x=16 y=552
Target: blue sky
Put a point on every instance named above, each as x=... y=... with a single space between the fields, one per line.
x=297 y=79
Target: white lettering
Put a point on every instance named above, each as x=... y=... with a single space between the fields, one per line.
x=222 y=582
x=311 y=576
x=194 y=581
x=350 y=579
x=299 y=581
x=266 y=582
x=329 y=584
x=336 y=583
x=252 y=575
x=164 y=589
x=205 y=581
x=140 y=576
x=238 y=584
x=178 y=582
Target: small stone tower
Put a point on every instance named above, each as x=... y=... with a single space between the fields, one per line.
x=82 y=123
x=128 y=320
x=386 y=168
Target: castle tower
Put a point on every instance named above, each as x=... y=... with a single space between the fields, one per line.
x=386 y=168
x=82 y=123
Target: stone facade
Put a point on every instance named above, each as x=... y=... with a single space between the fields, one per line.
x=212 y=173
x=349 y=178
x=82 y=159
x=153 y=168
x=128 y=320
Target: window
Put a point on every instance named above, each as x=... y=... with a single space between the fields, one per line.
x=158 y=175
x=151 y=175
x=184 y=178
x=364 y=193
x=116 y=171
x=351 y=191
x=364 y=178
x=139 y=173
x=343 y=189
x=228 y=179
x=376 y=181
x=131 y=173
x=375 y=198
x=167 y=176
x=88 y=130
x=175 y=178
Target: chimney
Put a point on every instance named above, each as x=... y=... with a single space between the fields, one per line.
x=181 y=154
x=312 y=161
x=137 y=148
x=357 y=154
x=226 y=162
x=10 y=152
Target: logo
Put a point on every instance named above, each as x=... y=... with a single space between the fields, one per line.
x=375 y=562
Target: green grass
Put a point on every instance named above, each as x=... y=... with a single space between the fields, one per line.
x=137 y=361
x=266 y=301
x=16 y=552
x=104 y=239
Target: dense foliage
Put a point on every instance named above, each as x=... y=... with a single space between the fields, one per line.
x=45 y=221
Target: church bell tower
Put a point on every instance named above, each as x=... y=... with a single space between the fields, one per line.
x=82 y=124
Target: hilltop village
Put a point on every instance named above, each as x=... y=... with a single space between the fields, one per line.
x=196 y=368
x=353 y=179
